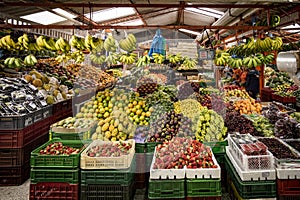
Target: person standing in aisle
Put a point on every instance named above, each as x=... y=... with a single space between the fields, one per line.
x=252 y=83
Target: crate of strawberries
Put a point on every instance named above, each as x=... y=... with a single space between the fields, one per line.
x=184 y=157
x=57 y=153
x=250 y=153
x=108 y=155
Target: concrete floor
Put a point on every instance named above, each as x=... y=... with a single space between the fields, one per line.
x=22 y=193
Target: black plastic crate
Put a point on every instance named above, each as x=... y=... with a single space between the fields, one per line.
x=14 y=175
x=19 y=156
x=107 y=192
x=47 y=111
x=16 y=122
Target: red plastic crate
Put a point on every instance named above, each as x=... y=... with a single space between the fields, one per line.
x=288 y=197
x=288 y=187
x=14 y=175
x=62 y=106
x=53 y=190
x=62 y=115
x=20 y=138
x=204 y=198
x=19 y=156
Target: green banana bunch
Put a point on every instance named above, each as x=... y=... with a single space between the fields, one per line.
x=8 y=43
x=221 y=58
x=13 y=63
x=277 y=43
x=77 y=43
x=274 y=20
x=189 y=63
x=143 y=61
x=46 y=43
x=158 y=58
x=110 y=44
x=127 y=58
x=112 y=59
x=250 y=46
x=30 y=60
x=97 y=59
x=174 y=59
x=251 y=61
x=235 y=63
x=268 y=59
x=128 y=44
x=62 y=45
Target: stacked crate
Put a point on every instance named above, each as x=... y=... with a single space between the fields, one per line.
x=140 y=176
x=55 y=176
x=110 y=178
x=62 y=110
x=18 y=137
x=288 y=174
x=249 y=177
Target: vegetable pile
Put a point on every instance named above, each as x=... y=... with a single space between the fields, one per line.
x=110 y=149
x=57 y=148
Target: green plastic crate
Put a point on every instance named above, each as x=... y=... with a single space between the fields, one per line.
x=38 y=175
x=122 y=176
x=140 y=147
x=168 y=188
x=107 y=192
x=220 y=158
x=203 y=187
x=250 y=189
x=57 y=161
x=70 y=136
x=150 y=146
x=218 y=147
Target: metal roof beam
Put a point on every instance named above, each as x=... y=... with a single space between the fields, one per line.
x=109 y=5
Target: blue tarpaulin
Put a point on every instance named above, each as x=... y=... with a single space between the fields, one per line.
x=158 y=44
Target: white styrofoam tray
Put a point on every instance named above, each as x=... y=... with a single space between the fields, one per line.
x=202 y=173
x=165 y=173
x=256 y=175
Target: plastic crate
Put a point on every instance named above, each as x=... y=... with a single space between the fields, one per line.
x=117 y=176
x=47 y=111
x=281 y=99
x=150 y=146
x=204 y=173
x=288 y=187
x=256 y=175
x=165 y=173
x=217 y=147
x=140 y=161
x=14 y=175
x=140 y=180
x=250 y=189
x=70 y=136
x=54 y=190
x=203 y=187
x=121 y=162
x=288 y=173
x=234 y=195
x=107 y=192
x=57 y=161
x=251 y=163
x=38 y=175
x=16 y=122
x=19 y=156
x=204 y=198
x=38 y=115
x=165 y=189
x=62 y=106
x=20 y=138
x=284 y=197
x=62 y=115
x=140 y=147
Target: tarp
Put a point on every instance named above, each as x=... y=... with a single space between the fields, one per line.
x=158 y=44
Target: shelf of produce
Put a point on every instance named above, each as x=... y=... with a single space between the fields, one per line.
x=166 y=189
x=14 y=175
x=54 y=190
x=250 y=189
x=19 y=156
x=20 y=138
x=57 y=161
x=38 y=175
x=203 y=187
x=119 y=162
x=107 y=192
x=117 y=176
x=256 y=175
x=250 y=162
